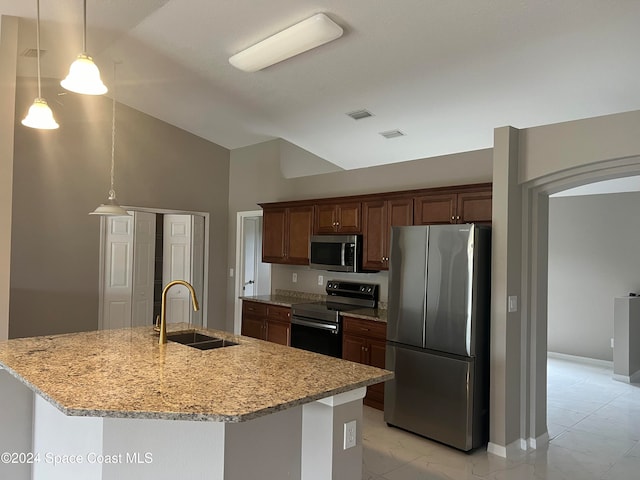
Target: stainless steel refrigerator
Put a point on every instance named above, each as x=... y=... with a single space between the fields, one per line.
x=438 y=333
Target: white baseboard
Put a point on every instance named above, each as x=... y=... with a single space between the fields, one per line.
x=519 y=446
x=633 y=378
x=539 y=442
x=577 y=359
x=509 y=451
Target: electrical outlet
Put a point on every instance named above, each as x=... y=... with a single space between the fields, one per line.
x=231 y=272
x=349 y=434
x=611 y=342
x=320 y=280
x=294 y=277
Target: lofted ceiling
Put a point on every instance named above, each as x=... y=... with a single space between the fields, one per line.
x=445 y=73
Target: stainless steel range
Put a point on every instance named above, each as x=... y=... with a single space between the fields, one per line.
x=317 y=326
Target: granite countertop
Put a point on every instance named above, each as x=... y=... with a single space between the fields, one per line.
x=125 y=373
x=286 y=298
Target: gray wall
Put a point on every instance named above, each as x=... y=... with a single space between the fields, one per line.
x=8 y=56
x=255 y=177
x=61 y=175
x=593 y=257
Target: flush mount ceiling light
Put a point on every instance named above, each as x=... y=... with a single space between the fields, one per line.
x=112 y=208
x=303 y=36
x=84 y=76
x=40 y=115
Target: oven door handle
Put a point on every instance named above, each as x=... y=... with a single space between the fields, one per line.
x=332 y=327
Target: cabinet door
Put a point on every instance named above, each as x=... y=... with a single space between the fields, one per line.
x=434 y=209
x=375 y=393
x=325 y=219
x=252 y=327
x=474 y=207
x=300 y=225
x=353 y=348
x=374 y=227
x=376 y=353
x=399 y=214
x=274 y=235
x=278 y=332
x=348 y=218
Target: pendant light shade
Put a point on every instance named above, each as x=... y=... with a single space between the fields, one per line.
x=40 y=115
x=84 y=76
x=112 y=208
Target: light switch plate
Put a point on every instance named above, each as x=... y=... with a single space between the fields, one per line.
x=294 y=277
x=320 y=280
x=513 y=303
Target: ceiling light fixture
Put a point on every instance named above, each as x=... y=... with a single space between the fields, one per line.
x=299 y=38
x=112 y=208
x=84 y=76
x=39 y=115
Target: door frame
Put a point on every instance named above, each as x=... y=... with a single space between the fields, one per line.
x=204 y=301
x=237 y=311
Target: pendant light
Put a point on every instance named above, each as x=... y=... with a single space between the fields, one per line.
x=84 y=76
x=112 y=208
x=40 y=115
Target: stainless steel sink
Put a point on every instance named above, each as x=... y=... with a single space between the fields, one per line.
x=199 y=340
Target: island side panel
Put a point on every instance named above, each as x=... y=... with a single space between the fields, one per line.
x=16 y=420
x=324 y=456
x=265 y=448
x=138 y=449
x=65 y=445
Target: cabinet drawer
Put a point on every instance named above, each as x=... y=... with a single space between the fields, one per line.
x=276 y=312
x=254 y=308
x=366 y=328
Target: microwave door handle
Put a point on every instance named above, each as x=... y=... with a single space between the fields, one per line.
x=343 y=253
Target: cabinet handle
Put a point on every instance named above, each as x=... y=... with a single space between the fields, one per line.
x=458 y=217
x=453 y=218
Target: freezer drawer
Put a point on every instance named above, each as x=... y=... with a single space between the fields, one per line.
x=435 y=396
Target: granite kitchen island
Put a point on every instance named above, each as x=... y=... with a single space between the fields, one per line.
x=116 y=405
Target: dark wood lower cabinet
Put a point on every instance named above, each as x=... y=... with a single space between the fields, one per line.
x=363 y=341
x=266 y=322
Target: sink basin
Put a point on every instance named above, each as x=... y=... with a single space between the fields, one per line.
x=199 y=340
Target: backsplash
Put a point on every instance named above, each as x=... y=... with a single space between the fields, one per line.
x=307 y=280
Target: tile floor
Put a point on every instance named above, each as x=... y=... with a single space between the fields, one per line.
x=593 y=422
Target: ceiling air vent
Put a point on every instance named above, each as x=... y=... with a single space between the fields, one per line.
x=392 y=134
x=360 y=114
x=32 y=53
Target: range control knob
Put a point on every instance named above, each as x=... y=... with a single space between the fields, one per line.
x=369 y=289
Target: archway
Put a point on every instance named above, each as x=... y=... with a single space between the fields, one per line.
x=535 y=199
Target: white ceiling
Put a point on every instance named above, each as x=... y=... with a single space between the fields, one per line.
x=446 y=73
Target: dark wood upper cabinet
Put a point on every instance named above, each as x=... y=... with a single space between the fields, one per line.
x=435 y=209
x=474 y=207
x=457 y=206
x=338 y=218
x=288 y=226
x=378 y=216
x=286 y=234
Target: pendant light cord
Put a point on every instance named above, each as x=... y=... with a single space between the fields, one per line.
x=84 y=31
x=112 y=192
x=38 y=46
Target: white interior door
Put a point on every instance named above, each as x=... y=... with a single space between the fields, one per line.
x=197 y=265
x=144 y=246
x=176 y=265
x=249 y=265
x=117 y=271
x=250 y=255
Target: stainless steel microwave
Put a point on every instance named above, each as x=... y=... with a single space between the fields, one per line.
x=336 y=253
